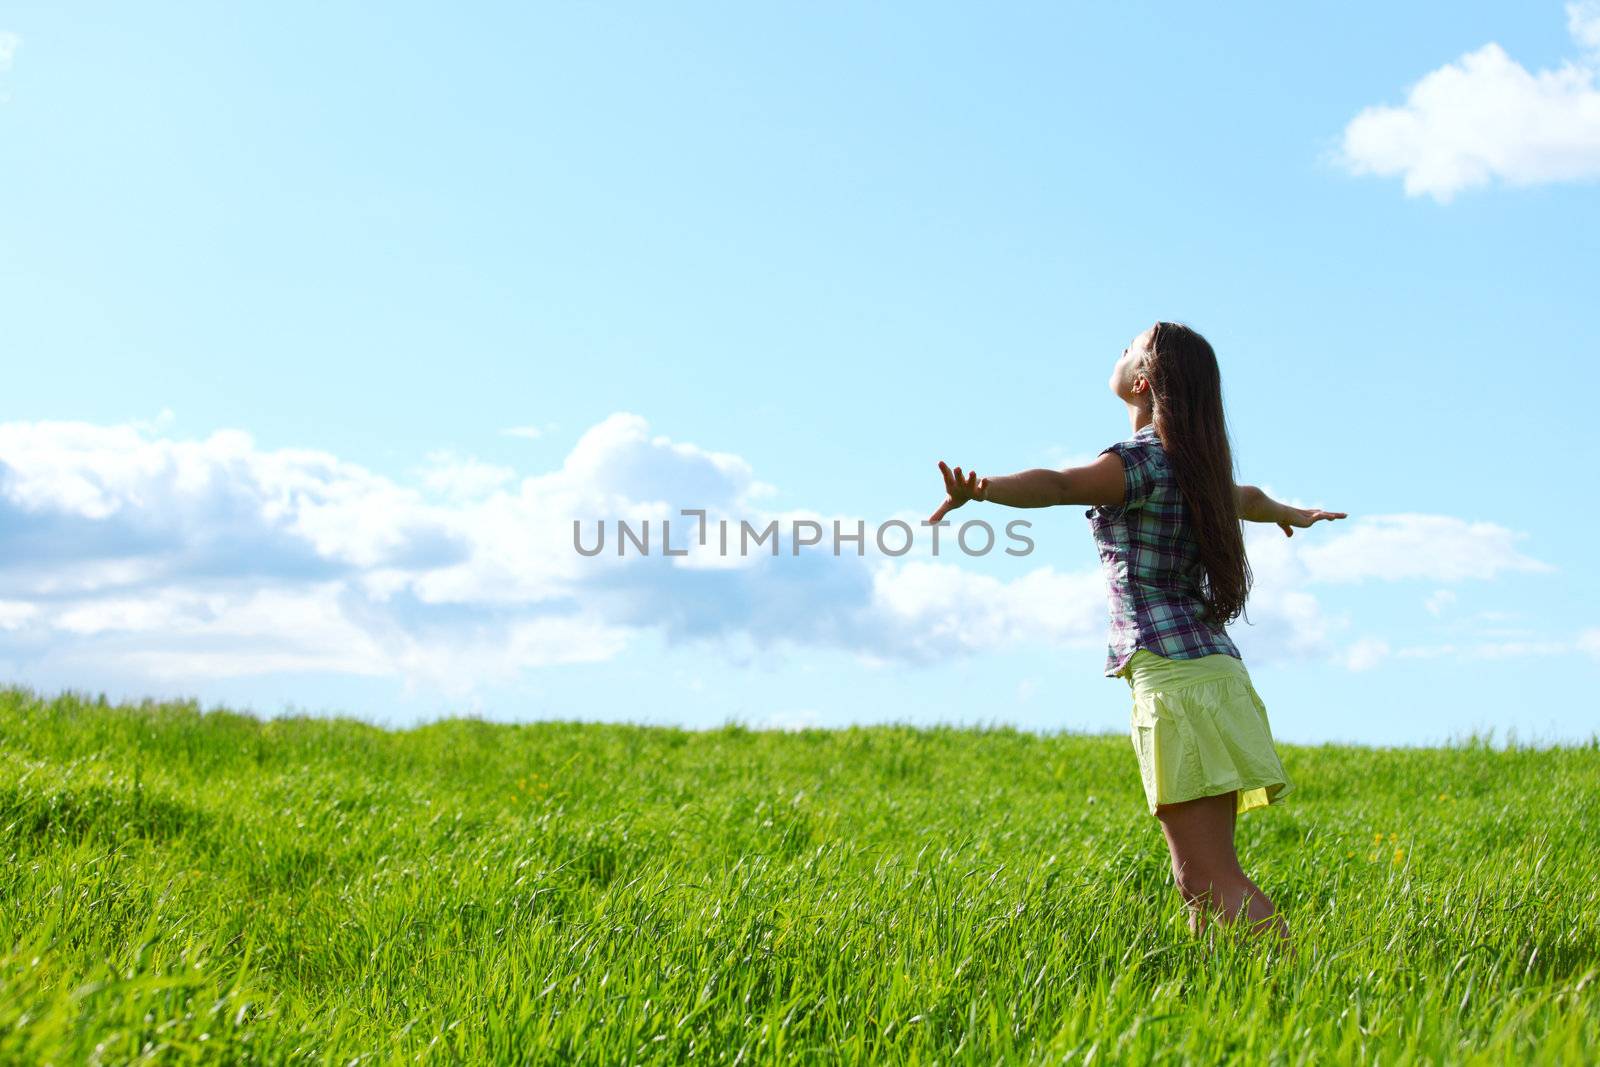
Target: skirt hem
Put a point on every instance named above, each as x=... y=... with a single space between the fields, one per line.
x=1252 y=795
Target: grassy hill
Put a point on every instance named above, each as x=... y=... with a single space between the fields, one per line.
x=210 y=887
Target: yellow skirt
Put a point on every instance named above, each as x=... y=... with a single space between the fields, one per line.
x=1200 y=729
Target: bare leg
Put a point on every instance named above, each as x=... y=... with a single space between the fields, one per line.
x=1200 y=837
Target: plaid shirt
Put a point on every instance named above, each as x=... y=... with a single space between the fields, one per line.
x=1152 y=562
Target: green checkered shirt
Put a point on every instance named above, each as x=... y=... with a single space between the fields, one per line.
x=1152 y=562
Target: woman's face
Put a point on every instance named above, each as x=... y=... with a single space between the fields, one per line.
x=1127 y=379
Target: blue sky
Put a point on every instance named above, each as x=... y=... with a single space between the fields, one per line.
x=321 y=324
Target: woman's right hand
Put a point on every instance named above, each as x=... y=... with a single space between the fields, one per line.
x=1303 y=517
x=958 y=490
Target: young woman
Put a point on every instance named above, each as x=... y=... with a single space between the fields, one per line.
x=1166 y=521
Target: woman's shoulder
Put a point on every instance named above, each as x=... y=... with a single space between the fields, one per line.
x=1140 y=449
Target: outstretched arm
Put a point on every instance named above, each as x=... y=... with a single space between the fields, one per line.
x=1099 y=482
x=1256 y=506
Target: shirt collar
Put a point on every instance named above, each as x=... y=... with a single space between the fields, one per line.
x=1147 y=430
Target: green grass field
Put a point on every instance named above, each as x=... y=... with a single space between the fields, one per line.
x=210 y=887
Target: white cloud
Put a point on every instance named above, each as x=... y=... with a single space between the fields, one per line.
x=531 y=433
x=1491 y=615
x=161 y=612
x=1366 y=654
x=9 y=43
x=462 y=477
x=1438 y=600
x=1286 y=623
x=181 y=559
x=1486 y=117
x=1583 y=22
x=1439 y=548
x=1508 y=649
x=927 y=610
x=14 y=613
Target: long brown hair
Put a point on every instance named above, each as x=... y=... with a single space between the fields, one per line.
x=1186 y=391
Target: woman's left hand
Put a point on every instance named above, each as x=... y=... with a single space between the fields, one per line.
x=1303 y=517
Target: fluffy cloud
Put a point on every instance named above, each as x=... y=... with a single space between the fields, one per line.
x=9 y=43
x=1436 y=548
x=462 y=477
x=176 y=559
x=1486 y=117
x=1583 y=22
